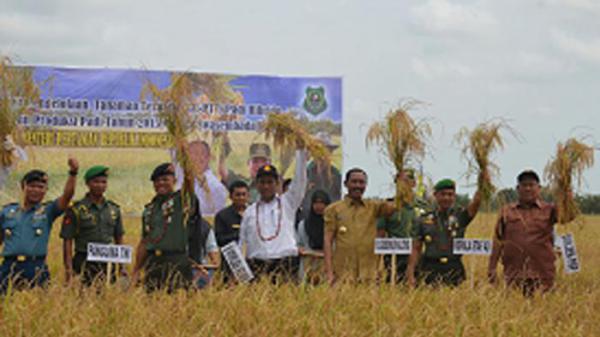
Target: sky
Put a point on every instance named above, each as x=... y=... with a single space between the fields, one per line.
x=533 y=63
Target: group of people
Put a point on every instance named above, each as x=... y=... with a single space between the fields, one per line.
x=283 y=237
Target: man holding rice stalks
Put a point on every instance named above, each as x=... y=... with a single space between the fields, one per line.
x=268 y=225
x=434 y=234
x=523 y=239
x=163 y=248
x=350 y=226
x=26 y=230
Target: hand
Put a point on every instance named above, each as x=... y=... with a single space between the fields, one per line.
x=135 y=277
x=300 y=144
x=492 y=277
x=73 y=164
x=9 y=144
x=330 y=278
x=412 y=282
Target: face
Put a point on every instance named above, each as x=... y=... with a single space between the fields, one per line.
x=255 y=163
x=97 y=186
x=200 y=155
x=528 y=190
x=408 y=178
x=266 y=187
x=356 y=185
x=35 y=191
x=318 y=207
x=164 y=185
x=239 y=197
x=445 y=198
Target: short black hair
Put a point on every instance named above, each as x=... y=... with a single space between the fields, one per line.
x=286 y=183
x=237 y=184
x=528 y=174
x=34 y=175
x=354 y=170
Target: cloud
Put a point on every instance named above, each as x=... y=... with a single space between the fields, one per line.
x=444 y=16
x=441 y=69
x=593 y=5
x=585 y=49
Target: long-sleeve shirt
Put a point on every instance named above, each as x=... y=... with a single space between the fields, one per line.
x=260 y=222
x=211 y=201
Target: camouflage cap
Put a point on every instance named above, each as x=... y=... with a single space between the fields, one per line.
x=260 y=150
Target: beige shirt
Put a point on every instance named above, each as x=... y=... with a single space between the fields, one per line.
x=354 y=225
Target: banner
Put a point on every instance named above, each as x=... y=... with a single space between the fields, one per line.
x=105 y=116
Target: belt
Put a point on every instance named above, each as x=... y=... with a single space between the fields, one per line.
x=24 y=258
x=158 y=252
x=442 y=260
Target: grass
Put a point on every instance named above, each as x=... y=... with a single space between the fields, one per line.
x=473 y=309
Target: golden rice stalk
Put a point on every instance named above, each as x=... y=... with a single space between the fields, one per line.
x=402 y=140
x=18 y=93
x=563 y=171
x=286 y=131
x=477 y=147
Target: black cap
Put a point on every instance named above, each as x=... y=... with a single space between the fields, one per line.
x=267 y=171
x=528 y=174
x=35 y=175
x=162 y=170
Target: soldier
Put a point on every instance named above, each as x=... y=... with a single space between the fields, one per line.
x=401 y=224
x=163 y=248
x=26 y=229
x=93 y=219
x=436 y=229
x=260 y=155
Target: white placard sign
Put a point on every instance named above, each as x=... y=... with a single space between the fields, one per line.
x=98 y=252
x=237 y=263
x=570 y=254
x=472 y=247
x=397 y=246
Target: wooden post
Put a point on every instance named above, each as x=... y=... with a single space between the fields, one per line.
x=394 y=268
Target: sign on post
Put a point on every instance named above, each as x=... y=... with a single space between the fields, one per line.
x=237 y=263
x=570 y=254
x=472 y=247
x=393 y=246
x=99 y=252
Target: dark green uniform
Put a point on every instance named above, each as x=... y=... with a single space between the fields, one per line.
x=87 y=222
x=165 y=236
x=437 y=230
x=402 y=224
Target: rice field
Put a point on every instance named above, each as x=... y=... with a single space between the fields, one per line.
x=473 y=309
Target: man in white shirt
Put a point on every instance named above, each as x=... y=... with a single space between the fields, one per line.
x=213 y=198
x=267 y=228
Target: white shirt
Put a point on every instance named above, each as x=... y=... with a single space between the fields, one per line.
x=211 y=202
x=284 y=244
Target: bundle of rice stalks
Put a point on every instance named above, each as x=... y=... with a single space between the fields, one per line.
x=565 y=169
x=286 y=131
x=18 y=93
x=402 y=140
x=477 y=147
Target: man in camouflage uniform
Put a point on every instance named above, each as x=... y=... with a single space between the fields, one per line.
x=163 y=248
x=93 y=219
x=260 y=155
x=402 y=224
x=434 y=235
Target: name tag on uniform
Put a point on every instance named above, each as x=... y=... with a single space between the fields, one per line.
x=472 y=247
x=396 y=246
x=233 y=255
x=98 y=252
x=570 y=254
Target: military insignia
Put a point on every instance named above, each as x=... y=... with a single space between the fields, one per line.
x=147 y=229
x=452 y=220
x=235 y=226
x=38 y=231
x=315 y=102
x=444 y=260
x=113 y=214
x=454 y=234
x=427 y=238
x=343 y=229
x=40 y=210
x=7 y=232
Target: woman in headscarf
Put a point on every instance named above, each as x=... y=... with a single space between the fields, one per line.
x=310 y=238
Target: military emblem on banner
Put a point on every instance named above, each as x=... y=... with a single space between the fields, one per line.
x=315 y=102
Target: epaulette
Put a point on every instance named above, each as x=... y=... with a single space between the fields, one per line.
x=12 y=204
x=112 y=203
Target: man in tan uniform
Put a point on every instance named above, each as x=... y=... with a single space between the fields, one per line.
x=351 y=224
x=524 y=239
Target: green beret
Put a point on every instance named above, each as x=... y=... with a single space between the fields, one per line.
x=445 y=184
x=95 y=171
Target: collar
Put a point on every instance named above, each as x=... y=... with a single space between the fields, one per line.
x=87 y=201
x=351 y=202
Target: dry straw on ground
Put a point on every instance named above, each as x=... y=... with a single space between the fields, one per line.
x=478 y=145
x=18 y=93
x=564 y=172
x=402 y=140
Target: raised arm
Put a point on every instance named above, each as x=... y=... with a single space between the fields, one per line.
x=297 y=189
x=69 y=190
